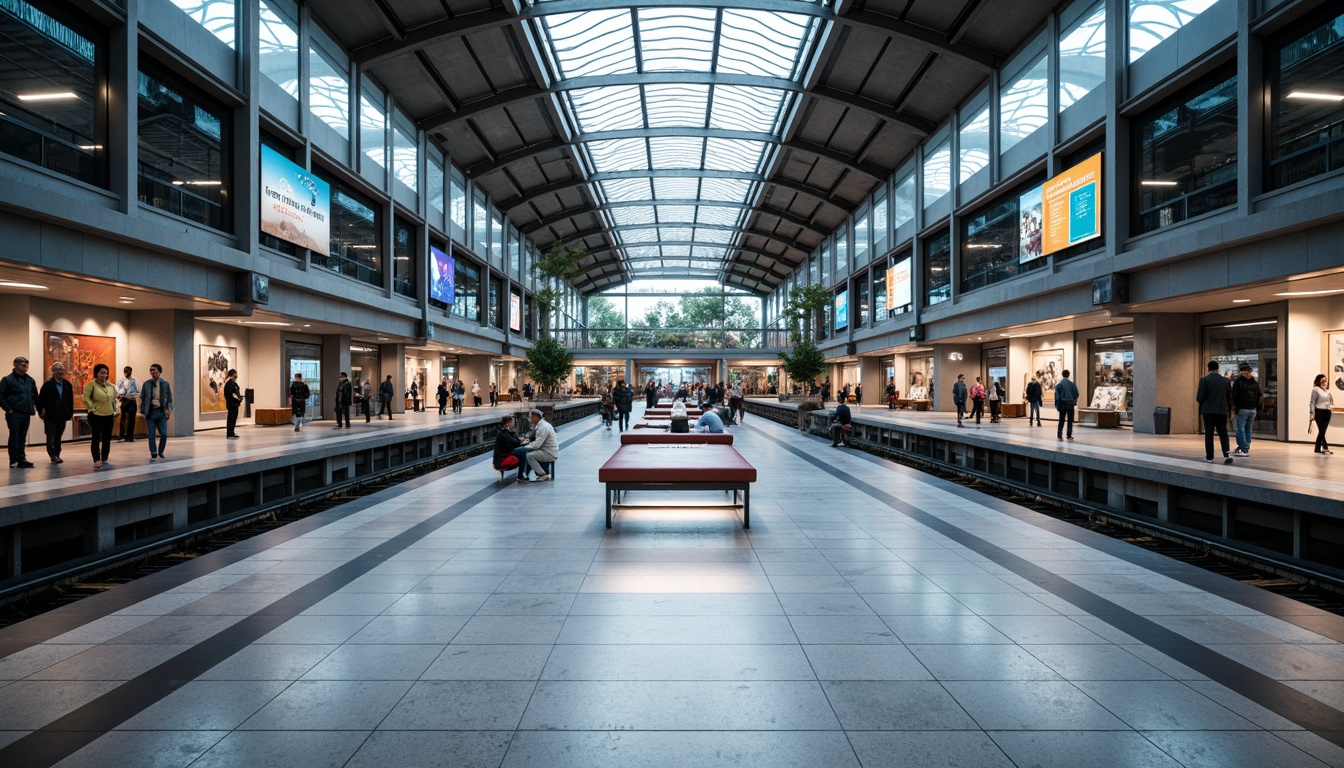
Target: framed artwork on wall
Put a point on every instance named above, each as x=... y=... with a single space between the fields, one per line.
x=1332 y=353
x=1048 y=367
x=215 y=365
x=80 y=353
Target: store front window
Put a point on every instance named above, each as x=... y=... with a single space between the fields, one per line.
x=1111 y=370
x=996 y=368
x=307 y=360
x=755 y=379
x=364 y=366
x=918 y=379
x=1255 y=342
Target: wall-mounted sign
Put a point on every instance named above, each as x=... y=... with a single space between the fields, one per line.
x=1029 y=224
x=1072 y=206
x=898 y=285
x=442 y=276
x=295 y=205
x=842 y=310
x=515 y=313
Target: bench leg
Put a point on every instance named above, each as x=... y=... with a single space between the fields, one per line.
x=746 y=506
x=609 y=492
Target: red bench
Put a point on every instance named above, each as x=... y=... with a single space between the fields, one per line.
x=660 y=437
x=678 y=467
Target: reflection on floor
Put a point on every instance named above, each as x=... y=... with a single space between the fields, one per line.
x=872 y=616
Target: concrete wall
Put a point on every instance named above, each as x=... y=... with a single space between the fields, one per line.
x=1167 y=368
x=217 y=335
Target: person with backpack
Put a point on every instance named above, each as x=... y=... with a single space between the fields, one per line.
x=977 y=400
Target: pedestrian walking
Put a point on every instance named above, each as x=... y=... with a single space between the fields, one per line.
x=441 y=394
x=156 y=403
x=1035 y=396
x=977 y=400
x=366 y=399
x=475 y=393
x=233 y=399
x=56 y=406
x=345 y=394
x=1246 y=402
x=128 y=394
x=995 y=398
x=385 y=394
x=1214 y=396
x=100 y=401
x=494 y=394
x=298 y=400
x=1318 y=412
x=891 y=394
x=858 y=394
x=959 y=395
x=415 y=396
x=459 y=396
x=1066 y=399
x=623 y=397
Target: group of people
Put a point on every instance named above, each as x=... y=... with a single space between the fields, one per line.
x=702 y=393
x=976 y=395
x=456 y=392
x=535 y=451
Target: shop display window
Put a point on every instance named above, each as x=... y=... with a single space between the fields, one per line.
x=1255 y=342
x=52 y=111
x=1306 y=101
x=305 y=359
x=403 y=259
x=1110 y=376
x=364 y=366
x=755 y=380
x=183 y=149
x=1185 y=155
x=996 y=368
x=356 y=249
x=938 y=269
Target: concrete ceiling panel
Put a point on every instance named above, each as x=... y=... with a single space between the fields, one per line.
x=456 y=67
x=415 y=13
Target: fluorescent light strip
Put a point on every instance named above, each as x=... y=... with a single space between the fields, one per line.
x=1311 y=293
x=15 y=284
x=1304 y=95
x=1248 y=325
x=1159 y=183
x=54 y=96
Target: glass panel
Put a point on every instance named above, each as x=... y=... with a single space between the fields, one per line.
x=631 y=215
x=1082 y=57
x=841 y=253
x=496 y=237
x=669 y=152
x=676 y=105
x=730 y=190
x=733 y=154
x=405 y=157
x=182 y=145
x=619 y=155
x=625 y=190
x=514 y=257
x=973 y=147
x=480 y=225
x=676 y=39
x=1024 y=106
x=903 y=202
x=591 y=42
x=743 y=108
x=1152 y=21
x=434 y=187
x=937 y=173
x=861 y=238
x=826 y=256
x=607 y=109
x=1186 y=155
x=467 y=290
x=403 y=264
x=457 y=205
x=879 y=293
x=880 y=226
x=373 y=128
x=1307 y=109
x=861 y=307
x=51 y=107
x=218 y=16
x=991 y=248
x=355 y=249
x=938 y=270
x=717 y=215
x=763 y=43
x=329 y=92
x=279 y=44
x=1255 y=343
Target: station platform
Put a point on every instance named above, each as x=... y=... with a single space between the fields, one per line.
x=872 y=615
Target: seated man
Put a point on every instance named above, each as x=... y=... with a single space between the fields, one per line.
x=540 y=447
x=709 y=420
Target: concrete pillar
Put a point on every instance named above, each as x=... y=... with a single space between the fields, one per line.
x=262 y=371
x=335 y=358
x=1169 y=345
x=474 y=368
x=871 y=375
x=392 y=362
x=167 y=337
x=945 y=370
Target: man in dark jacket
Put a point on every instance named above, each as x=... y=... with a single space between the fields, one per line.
x=959 y=395
x=298 y=400
x=1215 y=402
x=385 y=394
x=1246 y=401
x=18 y=398
x=345 y=395
x=56 y=404
x=1035 y=396
x=1066 y=399
x=841 y=424
x=623 y=397
x=891 y=395
x=233 y=399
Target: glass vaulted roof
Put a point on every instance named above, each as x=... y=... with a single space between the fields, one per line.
x=677 y=113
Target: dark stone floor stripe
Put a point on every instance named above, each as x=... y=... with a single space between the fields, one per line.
x=1283 y=700
x=74 y=731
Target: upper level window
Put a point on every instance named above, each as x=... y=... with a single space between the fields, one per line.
x=973 y=145
x=457 y=204
x=938 y=269
x=1307 y=107
x=1152 y=21
x=372 y=127
x=514 y=257
x=1186 y=156
x=1024 y=105
x=1082 y=56
x=278 y=40
x=841 y=253
x=861 y=238
x=329 y=88
x=467 y=290
x=480 y=224
x=937 y=173
x=1001 y=240
x=434 y=187
x=903 y=202
x=356 y=248
x=405 y=155
x=403 y=258
x=182 y=149
x=52 y=110
x=217 y=16
x=880 y=221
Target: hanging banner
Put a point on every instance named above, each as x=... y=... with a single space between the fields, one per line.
x=295 y=205
x=1071 y=206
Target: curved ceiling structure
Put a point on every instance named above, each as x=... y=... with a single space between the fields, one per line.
x=715 y=139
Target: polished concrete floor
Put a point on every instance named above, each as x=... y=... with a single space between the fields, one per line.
x=872 y=616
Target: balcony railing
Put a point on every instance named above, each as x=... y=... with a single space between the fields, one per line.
x=662 y=338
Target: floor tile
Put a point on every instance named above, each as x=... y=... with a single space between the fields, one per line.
x=679 y=706
x=328 y=705
x=678 y=662
x=375 y=662
x=1231 y=749
x=1154 y=705
x=282 y=749
x=206 y=705
x=865 y=662
x=467 y=705
x=1030 y=705
x=489 y=662
x=460 y=749
x=981 y=662
x=1064 y=749
x=927 y=749
x=892 y=705
x=144 y=749
x=646 y=749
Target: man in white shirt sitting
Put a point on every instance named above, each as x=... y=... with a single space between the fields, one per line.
x=709 y=420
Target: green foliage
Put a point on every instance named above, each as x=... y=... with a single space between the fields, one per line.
x=560 y=262
x=549 y=363
x=705 y=319
x=805 y=363
x=802 y=310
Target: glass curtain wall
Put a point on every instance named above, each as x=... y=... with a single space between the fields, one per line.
x=278 y=40
x=356 y=247
x=1306 y=101
x=184 y=146
x=938 y=269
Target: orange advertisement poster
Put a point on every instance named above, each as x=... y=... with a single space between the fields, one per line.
x=1071 y=206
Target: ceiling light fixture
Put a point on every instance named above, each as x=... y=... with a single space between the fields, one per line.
x=266 y=322
x=16 y=284
x=1247 y=325
x=1311 y=293
x=1304 y=95
x=1241 y=301
x=50 y=96
x=1159 y=183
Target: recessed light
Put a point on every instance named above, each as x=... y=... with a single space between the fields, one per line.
x=126 y=298
x=1305 y=95
x=266 y=322
x=1159 y=183
x=16 y=284
x=197 y=183
x=307 y=325
x=1311 y=293
x=50 y=96
x=1241 y=301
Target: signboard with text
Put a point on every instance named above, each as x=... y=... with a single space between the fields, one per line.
x=515 y=313
x=295 y=205
x=1071 y=206
x=842 y=310
x=442 y=276
x=898 y=285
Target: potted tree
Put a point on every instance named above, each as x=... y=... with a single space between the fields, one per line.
x=549 y=364
x=804 y=362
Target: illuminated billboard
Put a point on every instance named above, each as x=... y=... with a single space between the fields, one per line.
x=442 y=276
x=295 y=205
x=515 y=313
x=1071 y=206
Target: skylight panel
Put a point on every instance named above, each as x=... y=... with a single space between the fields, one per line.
x=676 y=234
x=733 y=154
x=676 y=39
x=645 y=235
x=717 y=215
x=642 y=252
x=676 y=105
x=625 y=216
x=618 y=155
x=676 y=151
x=677 y=214
x=709 y=252
x=676 y=188
x=720 y=236
x=762 y=43
x=676 y=251
x=624 y=190
x=607 y=109
x=742 y=108
x=704 y=264
x=729 y=190
x=592 y=42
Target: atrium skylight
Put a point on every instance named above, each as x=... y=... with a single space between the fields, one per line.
x=710 y=86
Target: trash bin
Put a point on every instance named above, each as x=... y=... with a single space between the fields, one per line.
x=1162 y=420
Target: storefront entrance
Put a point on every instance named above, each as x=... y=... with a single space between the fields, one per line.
x=675 y=375
x=305 y=359
x=1256 y=343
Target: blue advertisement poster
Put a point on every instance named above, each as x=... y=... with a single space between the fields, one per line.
x=442 y=273
x=295 y=205
x=842 y=310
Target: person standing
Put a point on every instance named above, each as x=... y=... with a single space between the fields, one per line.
x=475 y=393
x=1035 y=396
x=298 y=400
x=100 y=401
x=233 y=399
x=1321 y=403
x=128 y=392
x=959 y=394
x=977 y=400
x=623 y=397
x=736 y=410
x=841 y=425
x=650 y=395
x=366 y=399
x=858 y=394
x=415 y=396
x=345 y=393
x=494 y=394
x=459 y=396
x=996 y=394
x=156 y=402
x=385 y=394
x=18 y=397
x=1066 y=398
x=56 y=406
x=1246 y=402
x=1215 y=403
x=891 y=394
x=441 y=394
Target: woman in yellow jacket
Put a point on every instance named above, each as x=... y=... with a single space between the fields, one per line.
x=100 y=398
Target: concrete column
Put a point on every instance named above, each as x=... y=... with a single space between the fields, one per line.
x=945 y=371
x=474 y=368
x=335 y=358
x=167 y=337
x=392 y=362
x=1171 y=344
